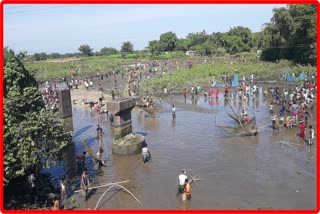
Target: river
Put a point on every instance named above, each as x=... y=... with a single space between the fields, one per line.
x=252 y=172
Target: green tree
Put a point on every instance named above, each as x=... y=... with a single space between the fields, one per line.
x=197 y=38
x=31 y=133
x=291 y=34
x=108 y=51
x=154 y=47
x=40 y=56
x=244 y=34
x=183 y=45
x=127 y=47
x=86 y=50
x=168 y=41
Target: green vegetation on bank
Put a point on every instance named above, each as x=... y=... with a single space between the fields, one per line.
x=201 y=74
x=57 y=69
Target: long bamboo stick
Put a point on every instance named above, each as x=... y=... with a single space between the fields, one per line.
x=235 y=113
x=105 y=185
x=102 y=196
x=110 y=188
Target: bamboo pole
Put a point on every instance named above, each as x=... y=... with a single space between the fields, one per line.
x=102 y=196
x=105 y=185
x=120 y=187
x=235 y=113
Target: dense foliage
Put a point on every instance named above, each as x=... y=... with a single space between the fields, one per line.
x=31 y=133
x=291 y=34
x=86 y=50
x=127 y=47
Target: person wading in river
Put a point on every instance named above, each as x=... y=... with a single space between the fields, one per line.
x=302 y=131
x=111 y=119
x=99 y=130
x=81 y=157
x=311 y=135
x=182 y=181
x=145 y=154
x=100 y=162
x=173 y=112
x=187 y=189
x=85 y=183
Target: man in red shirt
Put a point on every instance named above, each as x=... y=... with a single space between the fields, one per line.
x=226 y=90
x=217 y=93
x=302 y=131
x=185 y=93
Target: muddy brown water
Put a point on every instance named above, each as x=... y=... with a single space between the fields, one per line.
x=253 y=172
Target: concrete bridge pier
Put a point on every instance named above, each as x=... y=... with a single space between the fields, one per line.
x=65 y=109
x=125 y=142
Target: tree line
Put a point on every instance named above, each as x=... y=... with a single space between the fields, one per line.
x=290 y=34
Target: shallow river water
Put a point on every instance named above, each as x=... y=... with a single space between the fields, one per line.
x=252 y=172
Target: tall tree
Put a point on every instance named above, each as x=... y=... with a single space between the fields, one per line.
x=168 y=41
x=127 y=47
x=243 y=33
x=86 y=50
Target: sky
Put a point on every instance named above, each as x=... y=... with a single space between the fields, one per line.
x=63 y=28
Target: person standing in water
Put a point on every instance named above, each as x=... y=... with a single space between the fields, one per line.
x=187 y=190
x=173 y=112
x=145 y=154
x=111 y=119
x=182 y=181
x=311 y=135
x=217 y=93
x=85 y=183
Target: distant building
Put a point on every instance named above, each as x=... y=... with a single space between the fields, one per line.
x=190 y=53
x=259 y=51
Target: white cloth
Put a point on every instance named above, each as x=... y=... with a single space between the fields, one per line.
x=182 y=179
x=145 y=150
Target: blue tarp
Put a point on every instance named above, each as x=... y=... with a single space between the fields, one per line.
x=288 y=77
x=302 y=76
x=218 y=85
x=235 y=81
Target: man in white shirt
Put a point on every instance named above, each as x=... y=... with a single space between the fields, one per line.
x=145 y=154
x=182 y=181
x=173 y=111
